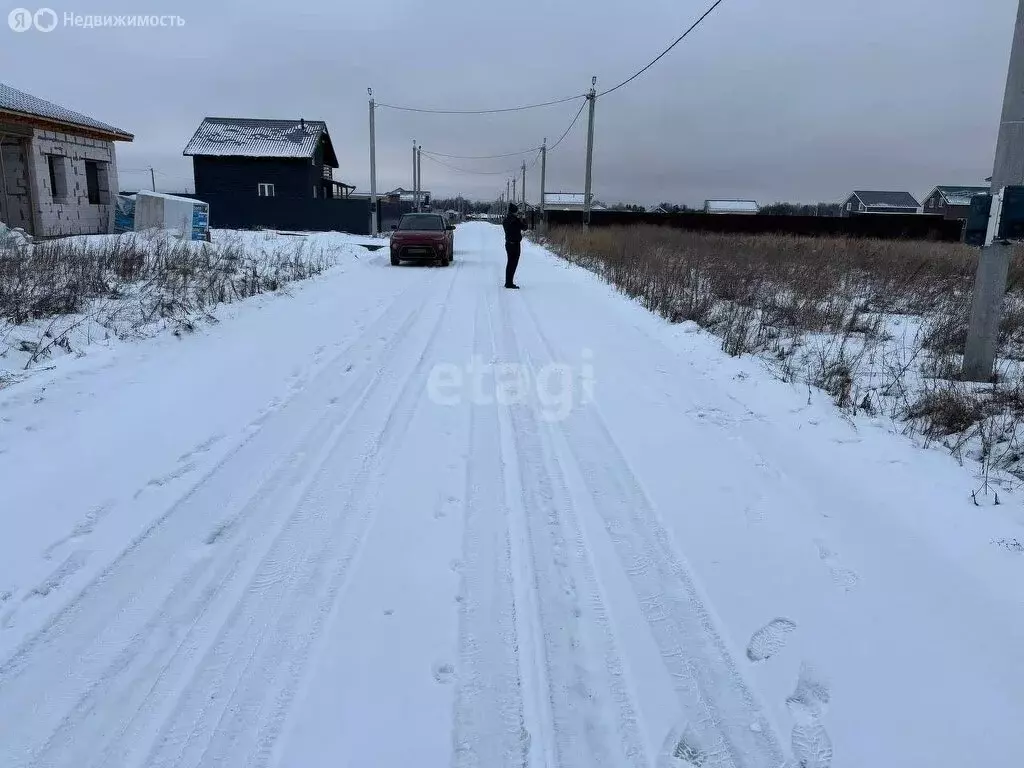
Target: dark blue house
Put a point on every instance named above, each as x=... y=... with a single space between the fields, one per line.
x=277 y=174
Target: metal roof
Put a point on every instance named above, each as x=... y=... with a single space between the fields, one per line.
x=877 y=199
x=732 y=206
x=20 y=103
x=563 y=198
x=959 y=195
x=250 y=137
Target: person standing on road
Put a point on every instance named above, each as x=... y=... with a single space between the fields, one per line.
x=513 y=226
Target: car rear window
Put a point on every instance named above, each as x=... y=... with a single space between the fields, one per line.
x=422 y=221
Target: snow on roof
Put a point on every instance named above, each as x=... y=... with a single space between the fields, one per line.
x=248 y=137
x=732 y=206
x=880 y=199
x=960 y=195
x=19 y=102
x=563 y=198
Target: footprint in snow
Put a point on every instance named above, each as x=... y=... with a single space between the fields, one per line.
x=684 y=748
x=844 y=578
x=769 y=639
x=811 y=744
x=72 y=564
x=444 y=673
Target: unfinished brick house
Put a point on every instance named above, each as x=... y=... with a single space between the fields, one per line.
x=58 y=168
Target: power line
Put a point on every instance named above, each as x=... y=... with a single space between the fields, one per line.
x=466 y=170
x=482 y=111
x=481 y=157
x=573 y=123
x=660 y=55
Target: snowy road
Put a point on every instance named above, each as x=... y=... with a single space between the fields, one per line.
x=405 y=517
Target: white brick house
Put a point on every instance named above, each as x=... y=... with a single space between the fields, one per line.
x=58 y=168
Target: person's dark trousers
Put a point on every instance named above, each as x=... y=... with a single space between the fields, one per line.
x=512 y=250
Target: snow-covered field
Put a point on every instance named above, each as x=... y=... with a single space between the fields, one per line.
x=404 y=517
x=175 y=286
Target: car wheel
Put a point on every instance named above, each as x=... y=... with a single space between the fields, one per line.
x=395 y=261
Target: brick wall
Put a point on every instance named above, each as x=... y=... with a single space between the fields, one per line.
x=69 y=212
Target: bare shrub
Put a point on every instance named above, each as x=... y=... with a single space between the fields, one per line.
x=124 y=283
x=947 y=410
x=879 y=325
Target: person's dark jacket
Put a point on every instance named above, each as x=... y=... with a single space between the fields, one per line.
x=513 y=227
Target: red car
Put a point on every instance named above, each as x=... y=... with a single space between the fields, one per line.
x=422 y=237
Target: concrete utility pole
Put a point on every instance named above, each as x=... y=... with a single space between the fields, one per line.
x=419 y=177
x=524 y=185
x=374 y=218
x=152 y=178
x=508 y=189
x=415 y=180
x=994 y=261
x=592 y=98
x=543 y=175
x=514 y=182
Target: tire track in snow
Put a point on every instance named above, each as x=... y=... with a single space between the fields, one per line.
x=718 y=705
x=593 y=718
x=259 y=671
x=111 y=647
x=489 y=729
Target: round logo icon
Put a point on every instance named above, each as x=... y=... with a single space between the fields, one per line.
x=45 y=19
x=20 y=19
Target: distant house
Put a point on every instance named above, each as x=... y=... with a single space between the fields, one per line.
x=568 y=201
x=658 y=209
x=880 y=202
x=272 y=173
x=58 y=168
x=952 y=202
x=743 y=207
x=401 y=195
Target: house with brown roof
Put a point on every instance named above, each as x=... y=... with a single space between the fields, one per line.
x=952 y=202
x=58 y=168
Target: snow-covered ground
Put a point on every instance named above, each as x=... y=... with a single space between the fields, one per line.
x=154 y=304
x=405 y=517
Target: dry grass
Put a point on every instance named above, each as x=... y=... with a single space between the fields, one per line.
x=129 y=282
x=868 y=321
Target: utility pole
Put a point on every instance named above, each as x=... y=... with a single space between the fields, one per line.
x=152 y=177
x=524 y=185
x=994 y=260
x=508 y=189
x=419 y=177
x=592 y=98
x=415 y=180
x=374 y=220
x=543 y=175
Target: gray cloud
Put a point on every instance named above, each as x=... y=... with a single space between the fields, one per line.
x=795 y=100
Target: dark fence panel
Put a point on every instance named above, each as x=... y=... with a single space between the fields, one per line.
x=314 y=215
x=882 y=227
x=391 y=212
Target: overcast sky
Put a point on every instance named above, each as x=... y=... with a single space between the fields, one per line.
x=799 y=100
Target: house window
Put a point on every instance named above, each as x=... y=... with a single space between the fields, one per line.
x=265 y=190
x=97 y=182
x=58 y=177
x=315 y=190
x=849 y=206
x=862 y=208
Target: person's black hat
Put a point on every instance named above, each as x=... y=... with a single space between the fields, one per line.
x=512 y=208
